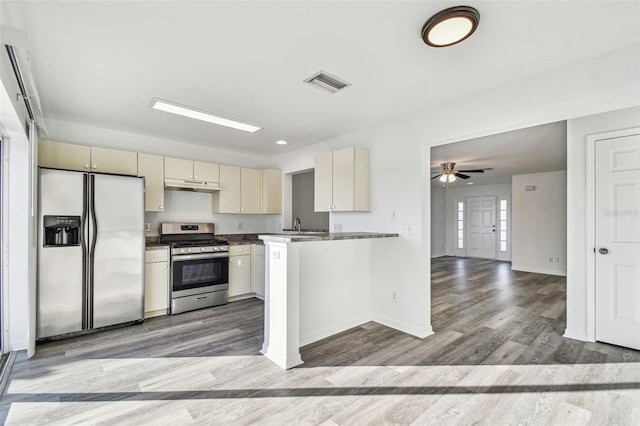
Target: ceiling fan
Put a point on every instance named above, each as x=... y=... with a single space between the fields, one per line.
x=449 y=175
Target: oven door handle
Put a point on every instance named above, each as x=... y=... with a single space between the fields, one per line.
x=200 y=256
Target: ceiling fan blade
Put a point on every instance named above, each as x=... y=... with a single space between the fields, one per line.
x=438 y=175
x=460 y=175
x=472 y=171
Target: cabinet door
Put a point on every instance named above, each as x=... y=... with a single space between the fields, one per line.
x=66 y=156
x=177 y=168
x=156 y=288
x=250 y=186
x=239 y=275
x=272 y=191
x=228 y=199
x=151 y=167
x=105 y=160
x=343 y=179
x=323 y=183
x=208 y=172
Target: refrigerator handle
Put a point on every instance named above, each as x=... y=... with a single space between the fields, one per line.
x=94 y=237
x=84 y=235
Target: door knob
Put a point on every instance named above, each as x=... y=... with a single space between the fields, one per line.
x=603 y=251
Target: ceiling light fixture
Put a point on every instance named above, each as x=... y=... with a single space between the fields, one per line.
x=450 y=26
x=197 y=114
x=281 y=142
x=447 y=177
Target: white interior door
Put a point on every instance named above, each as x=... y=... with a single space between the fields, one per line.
x=617 y=215
x=481 y=227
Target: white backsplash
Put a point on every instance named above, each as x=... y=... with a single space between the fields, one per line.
x=186 y=206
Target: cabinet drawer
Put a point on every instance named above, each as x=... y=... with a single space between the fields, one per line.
x=239 y=250
x=156 y=255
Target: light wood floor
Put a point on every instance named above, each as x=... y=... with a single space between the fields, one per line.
x=497 y=357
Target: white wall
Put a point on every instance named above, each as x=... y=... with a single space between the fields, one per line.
x=454 y=195
x=577 y=248
x=539 y=224
x=185 y=206
x=438 y=221
x=400 y=161
x=16 y=249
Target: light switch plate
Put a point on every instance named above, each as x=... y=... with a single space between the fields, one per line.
x=147 y=227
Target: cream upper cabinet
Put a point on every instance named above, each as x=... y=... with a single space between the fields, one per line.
x=207 y=172
x=342 y=180
x=323 y=183
x=178 y=168
x=240 y=191
x=250 y=189
x=228 y=199
x=272 y=191
x=151 y=167
x=68 y=156
x=106 y=160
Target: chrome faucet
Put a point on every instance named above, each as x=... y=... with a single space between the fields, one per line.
x=297 y=225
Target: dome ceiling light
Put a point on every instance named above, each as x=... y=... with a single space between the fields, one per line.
x=450 y=26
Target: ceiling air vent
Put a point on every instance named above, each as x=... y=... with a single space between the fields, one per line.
x=327 y=82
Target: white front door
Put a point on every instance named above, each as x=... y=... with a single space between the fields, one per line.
x=617 y=214
x=481 y=227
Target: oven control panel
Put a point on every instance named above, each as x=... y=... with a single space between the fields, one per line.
x=195 y=250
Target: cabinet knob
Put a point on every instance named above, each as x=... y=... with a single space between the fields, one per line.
x=196 y=176
x=164 y=265
x=95 y=167
x=155 y=255
x=160 y=207
x=190 y=176
x=86 y=166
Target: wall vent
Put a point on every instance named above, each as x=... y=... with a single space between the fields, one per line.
x=327 y=82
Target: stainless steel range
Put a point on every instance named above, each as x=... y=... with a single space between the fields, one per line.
x=199 y=266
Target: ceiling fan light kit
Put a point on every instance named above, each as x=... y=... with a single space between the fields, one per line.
x=450 y=175
x=450 y=26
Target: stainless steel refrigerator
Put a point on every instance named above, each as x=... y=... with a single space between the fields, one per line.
x=90 y=251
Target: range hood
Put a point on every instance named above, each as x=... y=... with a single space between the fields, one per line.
x=191 y=185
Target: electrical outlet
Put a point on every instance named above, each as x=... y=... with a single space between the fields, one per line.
x=394 y=297
x=337 y=227
x=556 y=260
x=275 y=254
x=550 y=259
x=147 y=227
x=394 y=214
x=405 y=229
x=240 y=226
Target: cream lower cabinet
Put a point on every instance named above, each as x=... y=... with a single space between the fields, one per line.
x=342 y=180
x=151 y=167
x=240 y=272
x=156 y=282
x=66 y=156
x=258 y=270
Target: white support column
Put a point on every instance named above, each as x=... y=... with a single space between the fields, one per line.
x=282 y=304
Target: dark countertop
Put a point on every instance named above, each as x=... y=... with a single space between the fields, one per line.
x=239 y=239
x=292 y=237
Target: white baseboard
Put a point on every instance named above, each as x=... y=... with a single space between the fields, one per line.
x=572 y=334
x=433 y=256
x=333 y=329
x=538 y=270
x=405 y=328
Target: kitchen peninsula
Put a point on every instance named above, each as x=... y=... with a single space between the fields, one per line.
x=317 y=285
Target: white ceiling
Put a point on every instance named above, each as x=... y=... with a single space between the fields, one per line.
x=533 y=150
x=100 y=63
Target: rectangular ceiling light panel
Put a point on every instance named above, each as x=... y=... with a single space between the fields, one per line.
x=189 y=112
